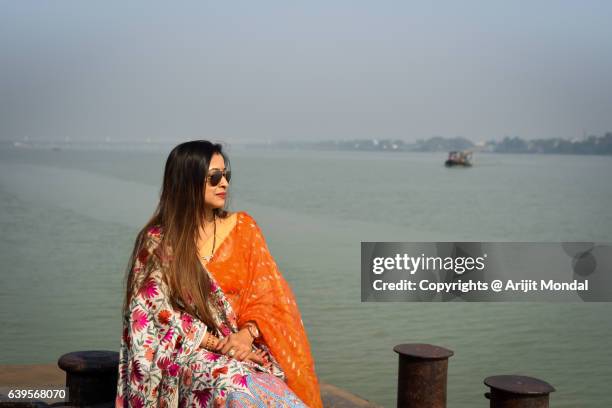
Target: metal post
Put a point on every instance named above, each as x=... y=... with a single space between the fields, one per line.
x=421 y=379
x=91 y=376
x=517 y=391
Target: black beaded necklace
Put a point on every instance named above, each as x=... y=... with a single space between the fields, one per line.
x=208 y=258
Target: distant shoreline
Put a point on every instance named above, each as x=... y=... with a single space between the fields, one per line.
x=591 y=145
x=271 y=148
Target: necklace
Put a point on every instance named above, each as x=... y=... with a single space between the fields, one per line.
x=208 y=258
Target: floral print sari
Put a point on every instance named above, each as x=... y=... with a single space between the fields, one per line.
x=162 y=363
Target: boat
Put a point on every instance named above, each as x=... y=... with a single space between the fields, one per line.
x=459 y=158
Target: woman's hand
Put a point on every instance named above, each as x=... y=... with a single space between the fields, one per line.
x=240 y=343
x=257 y=356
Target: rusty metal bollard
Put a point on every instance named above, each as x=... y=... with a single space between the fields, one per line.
x=517 y=391
x=421 y=379
x=91 y=376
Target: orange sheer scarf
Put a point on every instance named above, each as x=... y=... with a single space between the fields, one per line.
x=248 y=275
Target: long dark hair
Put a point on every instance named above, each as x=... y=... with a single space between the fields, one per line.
x=179 y=214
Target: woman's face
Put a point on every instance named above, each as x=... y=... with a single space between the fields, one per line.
x=214 y=197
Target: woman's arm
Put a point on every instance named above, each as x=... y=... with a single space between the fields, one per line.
x=153 y=318
x=158 y=341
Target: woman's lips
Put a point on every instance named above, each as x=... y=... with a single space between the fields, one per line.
x=222 y=195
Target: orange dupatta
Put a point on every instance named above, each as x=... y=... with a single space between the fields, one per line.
x=249 y=277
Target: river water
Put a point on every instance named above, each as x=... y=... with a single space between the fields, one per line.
x=68 y=219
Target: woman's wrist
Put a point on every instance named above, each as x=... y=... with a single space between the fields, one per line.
x=252 y=329
x=210 y=342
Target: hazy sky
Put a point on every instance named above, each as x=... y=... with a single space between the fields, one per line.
x=260 y=70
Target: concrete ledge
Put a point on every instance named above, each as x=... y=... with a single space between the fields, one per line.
x=334 y=397
x=51 y=374
x=35 y=374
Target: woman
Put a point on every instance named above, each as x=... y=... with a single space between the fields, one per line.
x=209 y=321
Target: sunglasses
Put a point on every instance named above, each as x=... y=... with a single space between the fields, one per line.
x=215 y=176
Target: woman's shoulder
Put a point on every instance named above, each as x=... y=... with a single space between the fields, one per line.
x=151 y=238
x=246 y=219
x=153 y=234
x=154 y=231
